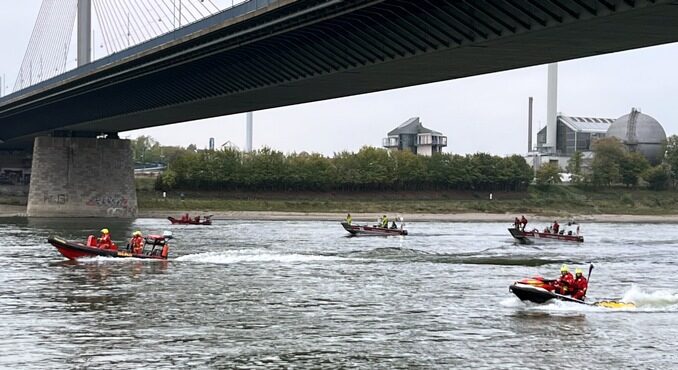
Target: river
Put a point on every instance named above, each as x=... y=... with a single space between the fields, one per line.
x=272 y=294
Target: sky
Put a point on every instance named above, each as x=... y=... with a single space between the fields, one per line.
x=485 y=113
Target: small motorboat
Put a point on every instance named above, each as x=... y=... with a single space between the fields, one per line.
x=207 y=220
x=373 y=230
x=540 y=290
x=159 y=248
x=529 y=237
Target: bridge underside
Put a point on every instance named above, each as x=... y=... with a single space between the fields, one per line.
x=306 y=50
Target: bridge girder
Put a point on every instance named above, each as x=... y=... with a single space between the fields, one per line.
x=308 y=50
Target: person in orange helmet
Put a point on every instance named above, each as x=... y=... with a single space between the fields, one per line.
x=580 y=285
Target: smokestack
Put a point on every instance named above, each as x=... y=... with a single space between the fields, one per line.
x=248 y=134
x=552 y=106
x=529 y=124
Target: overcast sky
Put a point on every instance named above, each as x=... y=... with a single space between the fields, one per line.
x=486 y=113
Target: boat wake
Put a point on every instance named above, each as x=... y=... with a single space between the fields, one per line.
x=247 y=256
x=660 y=299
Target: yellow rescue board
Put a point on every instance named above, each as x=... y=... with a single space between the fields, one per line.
x=614 y=304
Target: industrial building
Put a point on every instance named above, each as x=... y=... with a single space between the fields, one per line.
x=413 y=136
x=564 y=135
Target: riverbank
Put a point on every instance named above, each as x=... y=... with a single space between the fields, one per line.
x=555 y=202
x=417 y=217
x=538 y=204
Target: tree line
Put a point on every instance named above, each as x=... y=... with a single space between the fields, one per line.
x=370 y=169
x=614 y=164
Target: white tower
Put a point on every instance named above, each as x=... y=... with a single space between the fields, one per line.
x=248 y=133
x=552 y=107
x=84 y=32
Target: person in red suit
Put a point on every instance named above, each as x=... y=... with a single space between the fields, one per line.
x=565 y=283
x=137 y=242
x=580 y=285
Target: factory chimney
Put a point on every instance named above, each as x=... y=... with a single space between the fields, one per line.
x=552 y=107
x=529 y=124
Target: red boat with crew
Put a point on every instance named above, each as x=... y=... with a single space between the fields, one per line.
x=551 y=233
x=187 y=220
x=159 y=247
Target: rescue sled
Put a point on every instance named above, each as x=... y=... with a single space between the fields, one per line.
x=540 y=290
x=159 y=248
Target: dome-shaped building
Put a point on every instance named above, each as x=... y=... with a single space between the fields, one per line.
x=640 y=133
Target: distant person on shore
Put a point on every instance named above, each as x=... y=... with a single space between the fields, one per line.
x=136 y=243
x=580 y=285
x=349 y=219
x=523 y=221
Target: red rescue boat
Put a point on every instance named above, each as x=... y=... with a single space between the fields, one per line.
x=73 y=250
x=207 y=220
x=529 y=237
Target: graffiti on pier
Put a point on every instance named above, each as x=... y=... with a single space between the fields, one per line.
x=55 y=198
x=115 y=205
x=108 y=201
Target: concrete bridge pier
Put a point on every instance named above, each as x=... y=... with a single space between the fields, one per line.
x=82 y=177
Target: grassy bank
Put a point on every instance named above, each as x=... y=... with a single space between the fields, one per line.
x=556 y=200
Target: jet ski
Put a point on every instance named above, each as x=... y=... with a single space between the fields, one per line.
x=540 y=290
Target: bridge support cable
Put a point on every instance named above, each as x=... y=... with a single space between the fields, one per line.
x=49 y=44
x=102 y=26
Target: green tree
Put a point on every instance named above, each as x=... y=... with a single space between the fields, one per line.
x=574 y=166
x=657 y=177
x=631 y=167
x=605 y=168
x=671 y=157
x=548 y=173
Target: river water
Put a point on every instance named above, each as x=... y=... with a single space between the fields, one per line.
x=272 y=294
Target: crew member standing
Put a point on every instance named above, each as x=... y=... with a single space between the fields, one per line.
x=349 y=219
x=556 y=228
x=523 y=221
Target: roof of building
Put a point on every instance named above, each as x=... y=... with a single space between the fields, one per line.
x=586 y=124
x=412 y=126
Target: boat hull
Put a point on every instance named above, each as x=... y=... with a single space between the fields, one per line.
x=370 y=230
x=531 y=293
x=526 y=292
x=73 y=251
x=529 y=237
x=176 y=221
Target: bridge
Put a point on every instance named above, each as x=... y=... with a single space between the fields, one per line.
x=270 y=53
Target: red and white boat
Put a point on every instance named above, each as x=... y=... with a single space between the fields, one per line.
x=159 y=248
x=373 y=230
x=529 y=237
x=207 y=220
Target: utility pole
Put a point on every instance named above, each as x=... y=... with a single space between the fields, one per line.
x=84 y=29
